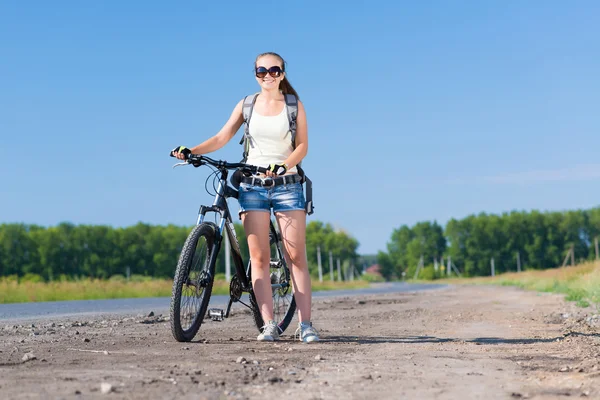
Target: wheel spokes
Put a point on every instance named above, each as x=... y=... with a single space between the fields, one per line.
x=281 y=294
x=193 y=288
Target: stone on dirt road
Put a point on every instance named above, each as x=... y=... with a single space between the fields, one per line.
x=106 y=388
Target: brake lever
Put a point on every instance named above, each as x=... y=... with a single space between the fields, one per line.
x=180 y=164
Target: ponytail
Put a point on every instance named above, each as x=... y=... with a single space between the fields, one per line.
x=286 y=88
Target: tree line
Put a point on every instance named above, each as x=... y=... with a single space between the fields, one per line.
x=529 y=240
x=67 y=251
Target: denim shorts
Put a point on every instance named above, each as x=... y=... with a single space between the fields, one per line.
x=288 y=197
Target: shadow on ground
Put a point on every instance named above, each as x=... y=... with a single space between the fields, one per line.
x=433 y=339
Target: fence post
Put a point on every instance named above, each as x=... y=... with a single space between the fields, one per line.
x=419 y=266
x=518 y=261
x=456 y=270
x=493 y=269
x=339 y=270
x=566 y=258
x=319 y=263
x=597 y=251
x=331 y=265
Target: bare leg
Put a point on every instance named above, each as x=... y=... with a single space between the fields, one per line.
x=256 y=225
x=292 y=225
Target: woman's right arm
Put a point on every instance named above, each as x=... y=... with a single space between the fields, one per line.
x=224 y=135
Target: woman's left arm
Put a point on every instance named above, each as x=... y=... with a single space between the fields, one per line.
x=301 y=138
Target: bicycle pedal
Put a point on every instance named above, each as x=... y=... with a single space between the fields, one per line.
x=216 y=314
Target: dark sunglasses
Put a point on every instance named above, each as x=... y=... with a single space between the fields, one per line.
x=274 y=71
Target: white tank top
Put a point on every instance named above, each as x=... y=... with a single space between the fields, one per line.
x=271 y=139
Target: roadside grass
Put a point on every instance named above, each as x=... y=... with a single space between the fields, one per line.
x=580 y=283
x=14 y=291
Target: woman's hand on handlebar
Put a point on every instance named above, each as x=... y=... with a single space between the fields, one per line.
x=181 y=152
x=276 y=169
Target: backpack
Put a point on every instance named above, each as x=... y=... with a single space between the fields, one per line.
x=291 y=103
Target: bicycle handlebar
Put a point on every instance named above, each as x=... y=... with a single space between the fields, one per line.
x=197 y=160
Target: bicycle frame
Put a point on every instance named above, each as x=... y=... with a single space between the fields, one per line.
x=220 y=207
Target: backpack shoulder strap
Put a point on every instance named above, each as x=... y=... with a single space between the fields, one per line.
x=247 y=108
x=291 y=103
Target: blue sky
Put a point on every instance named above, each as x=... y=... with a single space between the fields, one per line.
x=416 y=111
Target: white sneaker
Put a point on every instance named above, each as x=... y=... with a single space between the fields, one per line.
x=307 y=333
x=270 y=332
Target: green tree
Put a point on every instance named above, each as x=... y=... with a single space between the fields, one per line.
x=18 y=250
x=340 y=243
x=407 y=246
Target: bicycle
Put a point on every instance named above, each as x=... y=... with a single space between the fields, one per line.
x=195 y=272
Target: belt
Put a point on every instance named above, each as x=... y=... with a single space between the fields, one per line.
x=269 y=182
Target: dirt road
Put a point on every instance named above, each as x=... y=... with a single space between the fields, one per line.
x=452 y=343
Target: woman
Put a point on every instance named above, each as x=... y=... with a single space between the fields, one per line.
x=271 y=147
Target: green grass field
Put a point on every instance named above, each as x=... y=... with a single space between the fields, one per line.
x=580 y=283
x=13 y=291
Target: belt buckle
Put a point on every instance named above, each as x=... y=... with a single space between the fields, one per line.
x=267 y=182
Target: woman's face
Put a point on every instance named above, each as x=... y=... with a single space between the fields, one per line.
x=269 y=72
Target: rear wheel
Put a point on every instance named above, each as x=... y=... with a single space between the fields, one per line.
x=284 y=304
x=193 y=281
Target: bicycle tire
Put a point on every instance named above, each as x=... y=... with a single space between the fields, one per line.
x=283 y=314
x=181 y=282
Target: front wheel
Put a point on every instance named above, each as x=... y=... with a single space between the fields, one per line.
x=284 y=303
x=193 y=281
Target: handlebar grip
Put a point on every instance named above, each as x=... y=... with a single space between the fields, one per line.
x=185 y=151
x=187 y=157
